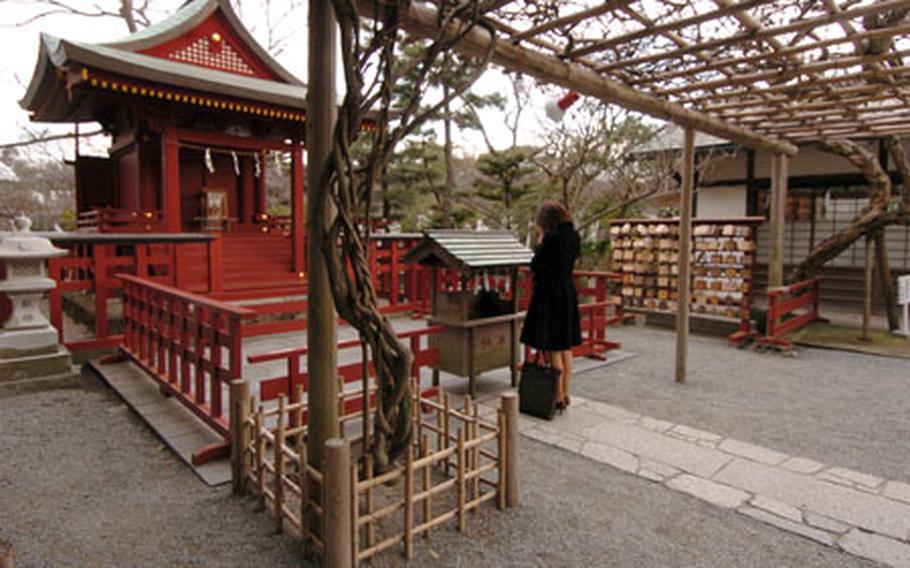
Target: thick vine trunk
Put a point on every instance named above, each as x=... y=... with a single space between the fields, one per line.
x=899 y=156
x=870 y=218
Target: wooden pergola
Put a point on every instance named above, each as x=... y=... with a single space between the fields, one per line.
x=766 y=74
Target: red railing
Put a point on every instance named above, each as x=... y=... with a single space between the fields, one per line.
x=269 y=389
x=110 y=220
x=189 y=344
x=404 y=286
x=91 y=267
x=790 y=308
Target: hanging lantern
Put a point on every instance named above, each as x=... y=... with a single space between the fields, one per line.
x=236 y=163
x=257 y=167
x=557 y=109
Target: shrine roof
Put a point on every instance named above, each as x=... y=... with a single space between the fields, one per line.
x=203 y=48
x=469 y=251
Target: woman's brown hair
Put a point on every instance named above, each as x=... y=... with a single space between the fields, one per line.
x=550 y=215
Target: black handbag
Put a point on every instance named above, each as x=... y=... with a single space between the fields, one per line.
x=537 y=389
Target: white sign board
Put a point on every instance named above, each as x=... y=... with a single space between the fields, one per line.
x=903 y=290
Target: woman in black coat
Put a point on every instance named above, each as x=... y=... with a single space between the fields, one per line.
x=552 y=324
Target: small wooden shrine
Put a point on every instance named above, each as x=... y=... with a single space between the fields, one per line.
x=474 y=298
x=194 y=107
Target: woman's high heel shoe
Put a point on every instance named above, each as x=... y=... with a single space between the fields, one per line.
x=565 y=402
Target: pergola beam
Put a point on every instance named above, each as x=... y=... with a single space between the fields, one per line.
x=422 y=20
x=787 y=74
x=569 y=19
x=665 y=27
x=718 y=64
x=746 y=36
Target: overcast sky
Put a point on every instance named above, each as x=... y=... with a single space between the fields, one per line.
x=19 y=41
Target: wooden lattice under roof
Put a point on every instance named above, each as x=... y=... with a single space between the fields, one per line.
x=760 y=72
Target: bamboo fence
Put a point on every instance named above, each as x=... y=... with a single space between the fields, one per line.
x=456 y=462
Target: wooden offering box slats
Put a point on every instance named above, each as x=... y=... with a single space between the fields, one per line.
x=474 y=298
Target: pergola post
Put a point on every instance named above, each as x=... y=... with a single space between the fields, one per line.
x=685 y=247
x=777 y=214
x=321 y=333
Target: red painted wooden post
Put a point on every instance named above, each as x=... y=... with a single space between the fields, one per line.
x=600 y=296
x=215 y=252
x=186 y=338
x=100 y=260
x=172 y=340
x=297 y=208
x=160 y=334
x=140 y=261
x=177 y=276
x=393 y=276
x=140 y=317
x=217 y=330
x=170 y=182
x=201 y=315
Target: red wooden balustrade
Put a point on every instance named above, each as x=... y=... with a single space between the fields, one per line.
x=189 y=344
x=790 y=308
x=424 y=356
x=92 y=265
x=404 y=286
x=111 y=220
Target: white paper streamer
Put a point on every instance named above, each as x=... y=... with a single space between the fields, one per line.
x=209 y=165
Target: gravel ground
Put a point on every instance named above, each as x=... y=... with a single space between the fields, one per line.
x=839 y=408
x=84 y=483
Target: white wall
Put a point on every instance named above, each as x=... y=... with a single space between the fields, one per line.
x=721 y=202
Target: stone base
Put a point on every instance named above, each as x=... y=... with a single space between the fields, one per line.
x=28 y=342
x=20 y=368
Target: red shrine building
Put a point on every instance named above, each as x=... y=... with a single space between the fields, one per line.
x=195 y=108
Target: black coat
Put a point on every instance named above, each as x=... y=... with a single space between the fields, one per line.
x=553 y=323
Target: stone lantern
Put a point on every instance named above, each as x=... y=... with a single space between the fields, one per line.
x=28 y=342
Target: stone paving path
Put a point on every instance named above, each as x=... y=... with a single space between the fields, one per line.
x=862 y=514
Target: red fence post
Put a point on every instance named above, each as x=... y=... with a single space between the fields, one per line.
x=100 y=261
x=216 y=265
x=393 y=275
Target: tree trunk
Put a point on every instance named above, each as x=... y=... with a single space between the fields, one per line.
x=449 y=190
x=884 y=277
x=879 y=194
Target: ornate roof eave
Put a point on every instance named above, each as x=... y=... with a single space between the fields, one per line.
x=63 y=55
x=188 y=17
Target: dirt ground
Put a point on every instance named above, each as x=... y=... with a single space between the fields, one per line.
x=84 y=483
